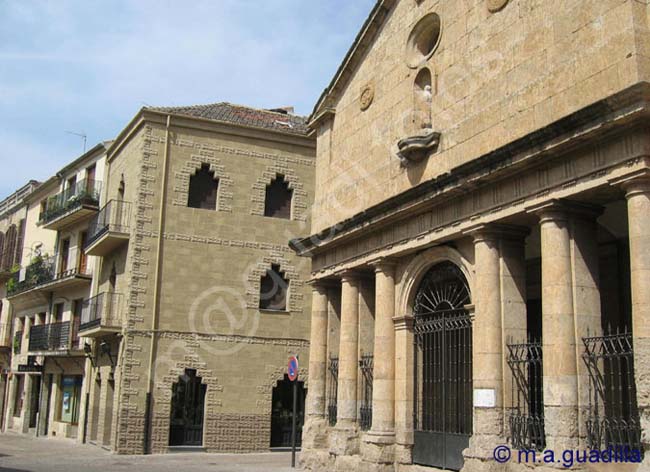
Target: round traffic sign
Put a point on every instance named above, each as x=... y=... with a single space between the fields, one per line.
x=292 y=368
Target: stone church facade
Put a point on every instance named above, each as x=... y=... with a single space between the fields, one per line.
x=480 y=236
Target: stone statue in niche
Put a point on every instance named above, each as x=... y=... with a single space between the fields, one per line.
x=424 y=140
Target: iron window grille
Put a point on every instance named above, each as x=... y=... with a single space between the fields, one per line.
x=526 y=418
x=613 y=417
x=365 y=409
x=333 y=369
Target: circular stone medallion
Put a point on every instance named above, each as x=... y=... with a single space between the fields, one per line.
x=496 y=5
x=367 y=95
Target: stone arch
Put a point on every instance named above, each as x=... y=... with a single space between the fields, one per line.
x=413 y=273
x=299 y=201
x=294 y=295
x=182 y=181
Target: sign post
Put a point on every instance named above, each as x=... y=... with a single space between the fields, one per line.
x=292 y=373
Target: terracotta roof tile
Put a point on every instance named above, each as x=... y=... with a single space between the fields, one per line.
x=241 y=115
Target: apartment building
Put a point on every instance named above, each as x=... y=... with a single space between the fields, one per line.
x=13 y=213
x=481 y=237
x=46 y=294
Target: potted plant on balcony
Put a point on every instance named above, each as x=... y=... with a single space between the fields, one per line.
x=38 y=270
x=17 y=342
x=13 y=279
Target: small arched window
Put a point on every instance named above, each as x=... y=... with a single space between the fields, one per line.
x=277 y=203
x=273 y=290
x=203 y=189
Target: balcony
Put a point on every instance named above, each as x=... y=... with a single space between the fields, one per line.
x=72 y=205
x=100 y=315
x=50 y=337
x=32 y=283
x=109 y=228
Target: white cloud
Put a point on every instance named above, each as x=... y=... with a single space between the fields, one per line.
x=91 y=65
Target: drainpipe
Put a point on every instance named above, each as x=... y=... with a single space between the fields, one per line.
x=156 y=293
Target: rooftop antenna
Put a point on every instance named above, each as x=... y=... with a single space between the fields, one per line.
x=81 y=135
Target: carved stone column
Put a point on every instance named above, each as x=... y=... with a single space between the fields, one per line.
x=345 y=438
x=378 y=441
x=314 y=431
x=499 y=298
x=637 y=193
x=564 y=276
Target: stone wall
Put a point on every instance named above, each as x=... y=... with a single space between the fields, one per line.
x=209 y=282
x=497 y=76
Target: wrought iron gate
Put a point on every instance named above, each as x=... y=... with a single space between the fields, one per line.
x=527 y=410
x=332 y=396
x=443 y=369
x=365 y=410
x=188 y=399
x=613 y=419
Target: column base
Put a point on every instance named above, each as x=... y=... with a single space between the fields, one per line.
x=561 y=427
x=488 y=427
x=314 y=433
x=378 y=447
x=344 y=439
x=316 y=460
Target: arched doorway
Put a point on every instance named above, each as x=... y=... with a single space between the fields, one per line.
x=282 y=412
x=188 y=400
x=443 y=368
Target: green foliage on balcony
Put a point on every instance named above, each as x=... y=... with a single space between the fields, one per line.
x=84 y=192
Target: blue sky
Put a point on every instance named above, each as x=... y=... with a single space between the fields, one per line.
x=88 y=66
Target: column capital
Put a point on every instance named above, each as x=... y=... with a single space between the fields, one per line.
x=352 y=276
x=635 y=183
x=383 y=264
x=497 y=231
x=403 y=322
x=321 y=284
x=562 y=210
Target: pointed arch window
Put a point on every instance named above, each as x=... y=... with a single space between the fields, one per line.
x=203 y=189
x=273 y=290
x=277 y=203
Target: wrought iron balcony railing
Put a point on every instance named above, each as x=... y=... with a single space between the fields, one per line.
x=44 y=270
x=101 y=310
x=40 y=271
x=84 y=192
x=49 y=337
x=114 y=216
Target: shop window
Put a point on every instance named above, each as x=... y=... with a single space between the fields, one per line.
x=70 y=398
x=203 y=189
x=273 y=290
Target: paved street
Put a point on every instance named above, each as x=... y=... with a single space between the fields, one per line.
x=22 y=453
